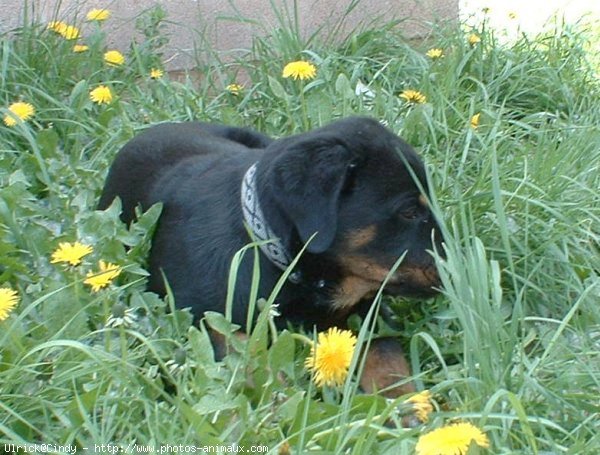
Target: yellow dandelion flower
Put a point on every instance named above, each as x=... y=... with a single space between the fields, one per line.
x=156 y=73
x=300 y=70
x=421 y=403
x=413 y=96
x=69 y=32
x=71 y=253
x=475 y=120
x=330 y=359
x=473 y=39
x=452 y=439
x=18 y=112
x=512 y=15
x=107 y=273
x=56 y=26
x=78 y=48
x=98 y=15
x=8 y=300
x=234 y=89
x=114 y=58
x=101 y=95
x=435 y=53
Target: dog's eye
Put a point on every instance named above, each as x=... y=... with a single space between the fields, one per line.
x=410 y=214
x=410 y=211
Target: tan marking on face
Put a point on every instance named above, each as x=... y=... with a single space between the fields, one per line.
x=364 y=268
x=361 y=237
x=423 y=201
x=352 y=290
x=423 y=277
x=363 y=278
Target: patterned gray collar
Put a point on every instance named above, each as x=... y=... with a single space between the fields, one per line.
x=270 y=244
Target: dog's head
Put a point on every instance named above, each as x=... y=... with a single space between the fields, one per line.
x=363 y=191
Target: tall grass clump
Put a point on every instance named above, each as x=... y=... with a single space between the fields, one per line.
x=511 y=136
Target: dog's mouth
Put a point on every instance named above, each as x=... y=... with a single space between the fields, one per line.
x=409 y=290
x=420 y=282
x=365 y=277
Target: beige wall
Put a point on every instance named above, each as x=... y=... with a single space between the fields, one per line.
x=215 y=19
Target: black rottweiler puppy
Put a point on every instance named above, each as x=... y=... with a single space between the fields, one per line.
x=346 y=187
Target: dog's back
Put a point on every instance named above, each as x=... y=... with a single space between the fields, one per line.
x=144 y=159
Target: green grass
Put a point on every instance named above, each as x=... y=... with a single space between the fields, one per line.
x=512 y=345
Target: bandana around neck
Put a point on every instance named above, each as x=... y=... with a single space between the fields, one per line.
x=270 y=244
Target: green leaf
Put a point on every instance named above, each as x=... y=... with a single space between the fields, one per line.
x=277 y=88
x=214 y=402
x=343 y=87
x=202 y=349
x=48 y=142
x=282 y=354
x=288 y=410
x=219 y=322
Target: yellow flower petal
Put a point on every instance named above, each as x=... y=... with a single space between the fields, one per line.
x=435 y=53
x=69 y=32
x=234 y=89
x=473 y=39
x=452 y=439
x=300 y=70
x=107 y=273
x=98 y=15
x=71 y=253
x=8 y=300
x=18 y=111
x=330 y=359
x=413 y=96
x=101 y=95
x=156 y=73
x=80 y=48
x=421 y=403
x=56 y=26
x=65 y=30
x=475 y=120
x=114 y=58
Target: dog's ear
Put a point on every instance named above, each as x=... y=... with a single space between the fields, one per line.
x=308 y=178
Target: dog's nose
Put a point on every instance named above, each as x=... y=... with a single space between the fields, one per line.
x=418 y=280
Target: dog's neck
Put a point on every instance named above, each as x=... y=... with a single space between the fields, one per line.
x=271 y=244
x=268 y=241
